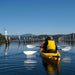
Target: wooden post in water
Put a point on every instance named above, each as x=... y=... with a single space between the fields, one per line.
x=6 y=40
x=27 y=40
x=24 y=39
x=73 y=37
x=70 y=37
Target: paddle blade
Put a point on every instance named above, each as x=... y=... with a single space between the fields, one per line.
x=30 y=46
x=66 y=49
x=29 y=52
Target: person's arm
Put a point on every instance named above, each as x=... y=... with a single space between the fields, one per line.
x=46 y=43
x=42 y=45
x=56 y=48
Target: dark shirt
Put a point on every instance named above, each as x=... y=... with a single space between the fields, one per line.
x=45 y=45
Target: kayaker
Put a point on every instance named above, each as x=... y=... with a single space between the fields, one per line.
x=49 y=45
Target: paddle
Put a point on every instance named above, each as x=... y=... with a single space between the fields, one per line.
x=64 y=49
x=31 y=46
x=32 y=52
x=29 y=52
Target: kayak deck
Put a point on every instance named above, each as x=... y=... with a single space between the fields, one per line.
x=52 y=57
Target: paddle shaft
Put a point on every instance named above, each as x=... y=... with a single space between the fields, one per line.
x=64 y=49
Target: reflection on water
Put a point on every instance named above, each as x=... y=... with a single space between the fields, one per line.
x=30 y=61
x=30 y=56
x=66 y=59
x=19 y=46
x=30 y=64
x=51 y=68
x=8 y=45
x=19 y=64
x=5 y=49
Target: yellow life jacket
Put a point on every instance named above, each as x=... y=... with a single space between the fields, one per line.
x=51 y=45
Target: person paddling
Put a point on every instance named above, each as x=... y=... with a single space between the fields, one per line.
x=49 y=46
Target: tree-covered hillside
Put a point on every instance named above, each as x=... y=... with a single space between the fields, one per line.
x=1 y=37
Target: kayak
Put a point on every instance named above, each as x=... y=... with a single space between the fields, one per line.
x=52 y=57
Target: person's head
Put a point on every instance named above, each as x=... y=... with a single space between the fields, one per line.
x=50 y=38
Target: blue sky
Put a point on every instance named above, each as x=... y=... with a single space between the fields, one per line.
x=37 y=16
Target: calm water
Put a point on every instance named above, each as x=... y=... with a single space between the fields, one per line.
x=14 y=62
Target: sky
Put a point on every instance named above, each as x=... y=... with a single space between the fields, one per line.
x=37 y=16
